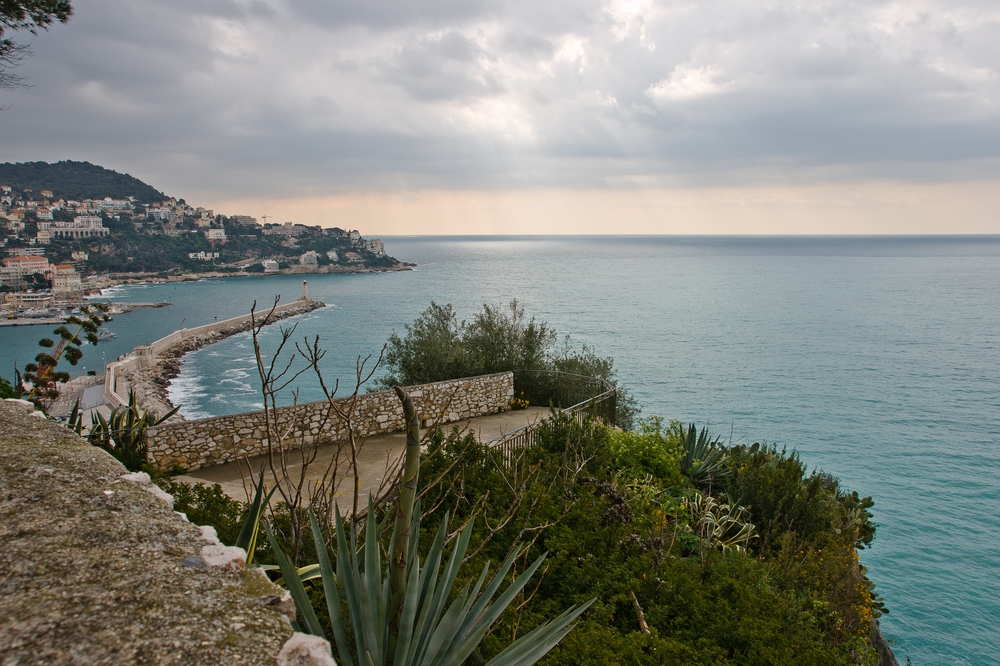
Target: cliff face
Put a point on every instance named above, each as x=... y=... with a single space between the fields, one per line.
x=96 y=568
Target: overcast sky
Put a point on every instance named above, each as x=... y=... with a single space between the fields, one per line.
x=506 y=113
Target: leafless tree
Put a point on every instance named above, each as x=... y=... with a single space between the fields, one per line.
x=309 y=470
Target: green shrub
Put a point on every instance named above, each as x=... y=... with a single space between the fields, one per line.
x=620 y=524
x=205 y=504
x=7 y=390
x=650 y=449
x=437 y=346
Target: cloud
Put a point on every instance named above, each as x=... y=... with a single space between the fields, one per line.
x=688 y=82
x=311 y=97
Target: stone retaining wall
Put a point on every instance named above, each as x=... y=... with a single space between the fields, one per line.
x=194 y=444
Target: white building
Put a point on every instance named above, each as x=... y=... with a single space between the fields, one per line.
x=163 y=214
x=332 y=255
x=204 y=256
x=270 y=266
x=66 y=281
x=29 y=299
x=26 y=252
x=309 y=258
x=215 y=234
x=82 y=226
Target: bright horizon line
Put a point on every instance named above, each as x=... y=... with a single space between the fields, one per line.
x=832 y=209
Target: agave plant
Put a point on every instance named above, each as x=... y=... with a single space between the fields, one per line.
x=704 y=460
x=251 y=525
x=403 y=617
x=123 y=433
x=75 y=420
x=431 y=631
x=719 y=525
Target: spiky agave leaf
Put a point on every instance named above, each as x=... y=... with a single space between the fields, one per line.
x=251 y=526
x=75 y=420
x=704 y=460
x=431 y=630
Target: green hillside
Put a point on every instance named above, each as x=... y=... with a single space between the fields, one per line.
x=76 y=180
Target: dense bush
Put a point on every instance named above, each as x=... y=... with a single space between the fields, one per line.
x=614 y=512
x=437 y=346
x=205 y=504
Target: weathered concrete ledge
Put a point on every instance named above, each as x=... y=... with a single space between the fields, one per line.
x=95 y=569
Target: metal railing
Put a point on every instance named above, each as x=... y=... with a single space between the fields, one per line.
x=578 y=395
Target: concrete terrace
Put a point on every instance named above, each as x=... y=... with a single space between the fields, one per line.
x=378 y=453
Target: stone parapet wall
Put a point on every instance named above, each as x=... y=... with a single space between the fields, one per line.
x=97 y=569
x=195 y=444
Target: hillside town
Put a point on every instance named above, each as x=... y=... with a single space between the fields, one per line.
x=56 y=251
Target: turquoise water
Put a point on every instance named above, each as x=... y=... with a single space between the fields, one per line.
x=876 y=358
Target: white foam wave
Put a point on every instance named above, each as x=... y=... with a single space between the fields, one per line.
x=237 y=383
x=187 y=391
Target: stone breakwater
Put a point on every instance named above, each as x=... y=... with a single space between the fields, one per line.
x=149 y=370
x=194 y=444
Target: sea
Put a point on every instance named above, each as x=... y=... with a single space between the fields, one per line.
x=876 y=358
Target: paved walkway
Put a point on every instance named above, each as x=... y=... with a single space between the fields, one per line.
x=89 y=390
x=374 y=458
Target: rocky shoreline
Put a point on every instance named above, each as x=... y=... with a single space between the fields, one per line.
x=151 y=384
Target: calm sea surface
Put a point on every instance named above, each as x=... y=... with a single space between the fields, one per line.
x=876 y=358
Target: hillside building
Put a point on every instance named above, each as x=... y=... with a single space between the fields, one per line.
x=16 y=269
x=29 y=299
x=66 y=281
x=26 y=252
x=82 y=226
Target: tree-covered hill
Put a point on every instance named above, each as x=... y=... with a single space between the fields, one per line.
x=76 y=180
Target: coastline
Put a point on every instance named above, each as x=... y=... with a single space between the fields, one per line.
x=98 y=283
x=115 y=279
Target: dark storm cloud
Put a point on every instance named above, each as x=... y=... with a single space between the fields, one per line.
x=277 y=97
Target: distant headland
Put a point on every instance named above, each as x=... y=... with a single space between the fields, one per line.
x=72 y=228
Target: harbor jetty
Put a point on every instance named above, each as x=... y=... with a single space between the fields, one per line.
x=148 y=369
x=52 y=316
